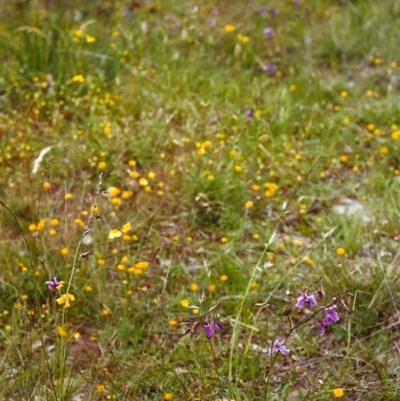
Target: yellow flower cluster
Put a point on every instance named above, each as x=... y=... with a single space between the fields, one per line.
x=136 y=269
x=37 y=227
x=271 y=188
x=202 y=146
x=123 y=232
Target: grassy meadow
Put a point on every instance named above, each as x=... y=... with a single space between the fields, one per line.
x=199 y=200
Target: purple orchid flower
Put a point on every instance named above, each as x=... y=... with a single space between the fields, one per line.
x=331 y=316
x=278 y=346
x=305 y=300
x=210 y=327
x=269 y=33
x=270 y=68
x=53 y=284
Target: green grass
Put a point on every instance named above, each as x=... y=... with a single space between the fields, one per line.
x=155 y=121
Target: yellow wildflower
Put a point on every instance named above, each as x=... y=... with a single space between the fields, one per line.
x=61 y=331
x=141 y=265
x=396 y=135
x=338 y=392
x=32 y=227
x=78 y=78
x=90 y=39
x=65 y=299
x=184 y=303
x=243 y=39
x=340 y=251
x=143 y=182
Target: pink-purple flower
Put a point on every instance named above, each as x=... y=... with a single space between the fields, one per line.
x=269 y=33
x=269 y=68
x=274 y=12
x=53 y=284
x=331 y=316
x=305 y=300
x=278 y=346
x=210 y=327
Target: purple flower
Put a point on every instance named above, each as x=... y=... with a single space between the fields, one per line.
x=84 y=255
x=308 y=40
x=305 y=300
x=262 y=10
x=269 y=32
x=210 y=327
x=297 y=3
x=322 y=325
x=249 y=113
x=331 y=316
x=53 y=284
x=270 y=68
x=278 y=346
x=274 y=12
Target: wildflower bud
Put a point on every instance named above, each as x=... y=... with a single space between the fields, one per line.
x=343 y=306
x=84 y=255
